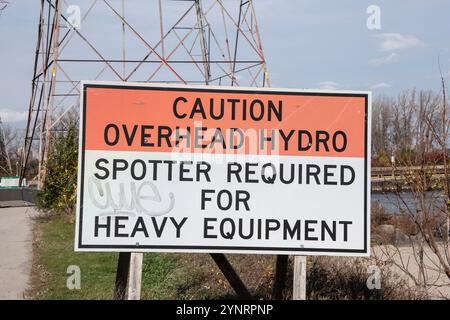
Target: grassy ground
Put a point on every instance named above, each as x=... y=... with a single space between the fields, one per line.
x=165 y=276
x=191 y=276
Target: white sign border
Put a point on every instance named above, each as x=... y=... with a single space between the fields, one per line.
x=364 y=252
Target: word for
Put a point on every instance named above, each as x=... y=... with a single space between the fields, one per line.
x=225 y=199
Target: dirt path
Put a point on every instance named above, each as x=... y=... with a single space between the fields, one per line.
x=404 y=258
x=15 y=251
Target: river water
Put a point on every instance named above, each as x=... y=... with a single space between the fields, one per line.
x=393 y=204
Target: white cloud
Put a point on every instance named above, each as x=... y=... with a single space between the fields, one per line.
x=380 y=85
x=8 y=115
x=396 y=41
x=392 y=57
x=328 y=85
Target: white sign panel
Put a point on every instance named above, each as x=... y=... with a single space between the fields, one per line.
x=216 y=169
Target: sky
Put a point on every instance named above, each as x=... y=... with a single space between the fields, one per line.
x=321 y=44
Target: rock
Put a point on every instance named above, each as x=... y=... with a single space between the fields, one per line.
x=400 y=237
x=389 y=234
x=386 y=234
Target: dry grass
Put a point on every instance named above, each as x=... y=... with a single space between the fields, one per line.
x=192 y=276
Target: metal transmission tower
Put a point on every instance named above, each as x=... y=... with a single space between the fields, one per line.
x=3 y=5
x=213 y=42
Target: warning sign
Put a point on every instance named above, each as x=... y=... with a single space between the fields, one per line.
x=217 y=169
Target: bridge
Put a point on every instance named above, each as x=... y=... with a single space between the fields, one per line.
x=385 y=179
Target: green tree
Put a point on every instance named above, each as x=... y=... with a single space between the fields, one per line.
x=58 y=193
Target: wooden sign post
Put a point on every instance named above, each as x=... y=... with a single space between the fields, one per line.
x=135 y=280
x=123 y=267
x=280 y=276
x=299 y=285
x=230 y=274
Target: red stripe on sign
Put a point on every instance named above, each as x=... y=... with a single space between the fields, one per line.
x=161 y=120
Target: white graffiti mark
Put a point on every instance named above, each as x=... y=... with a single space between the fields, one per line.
x=102 y=198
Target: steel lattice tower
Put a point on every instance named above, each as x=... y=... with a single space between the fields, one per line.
x=3 y=4
x=213 y=42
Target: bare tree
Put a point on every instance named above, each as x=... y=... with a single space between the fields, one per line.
x=10 y=153
x=420 y=128
x=381 y=126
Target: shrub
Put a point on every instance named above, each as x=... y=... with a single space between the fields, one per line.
x=384 y=160
x=58 y=192
x=346 y=278
x=379 y=215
